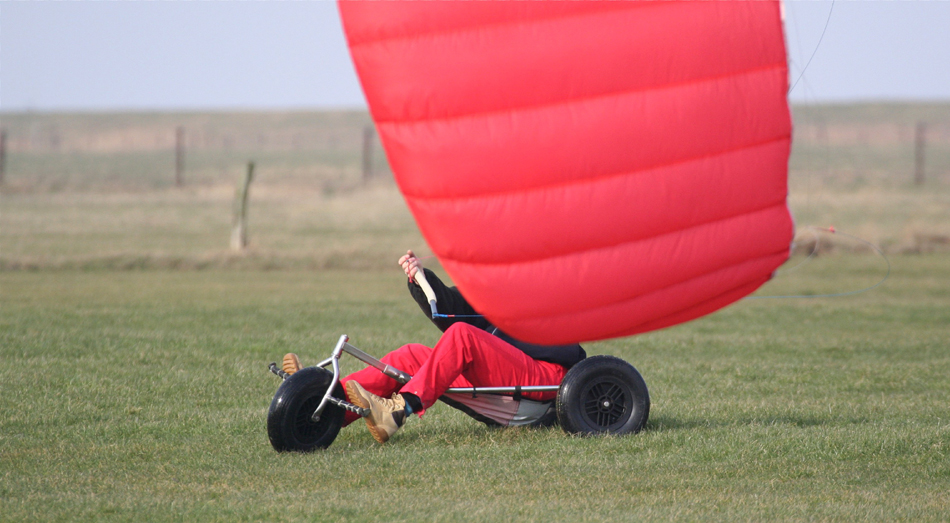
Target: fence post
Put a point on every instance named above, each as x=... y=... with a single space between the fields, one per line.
x=179 y=156
x=3 y=153
x=239 y=221
x=368 y=134
x=920 y=144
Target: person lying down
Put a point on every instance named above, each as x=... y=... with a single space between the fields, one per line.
x=470 y=353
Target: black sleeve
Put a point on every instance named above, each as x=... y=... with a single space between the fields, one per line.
x=448 y=300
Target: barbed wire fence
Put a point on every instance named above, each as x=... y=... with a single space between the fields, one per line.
x=343 y=149
x=87 y=151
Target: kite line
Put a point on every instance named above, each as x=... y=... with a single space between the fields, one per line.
x=832 y=230
x=820 y=38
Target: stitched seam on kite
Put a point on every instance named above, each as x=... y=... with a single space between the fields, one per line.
x=471 y=29
x=656 y=291
x=528 y=261
x=585 y=98
x=600 y=177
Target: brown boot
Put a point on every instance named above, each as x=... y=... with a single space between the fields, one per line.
x=386 y=415
x=291 y=363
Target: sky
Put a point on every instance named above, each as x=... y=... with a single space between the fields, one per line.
x=89 y=56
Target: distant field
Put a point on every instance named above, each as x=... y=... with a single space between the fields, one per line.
x=141 y=396
x=846 y=146
x=289 y=228
x=96 y=191
x=131 y=151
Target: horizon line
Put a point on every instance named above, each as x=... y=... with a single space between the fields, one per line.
x=351 y=108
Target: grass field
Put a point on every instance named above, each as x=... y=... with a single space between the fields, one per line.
x=134 y=344
x=142 y=396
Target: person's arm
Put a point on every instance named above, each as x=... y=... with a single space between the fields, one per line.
x=448 y=299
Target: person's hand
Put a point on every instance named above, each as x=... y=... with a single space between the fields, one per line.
x=410 y=264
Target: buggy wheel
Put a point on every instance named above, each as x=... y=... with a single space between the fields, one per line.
x=289 y=423
x=603 y=395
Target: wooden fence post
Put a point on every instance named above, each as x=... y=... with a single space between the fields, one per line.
x=3 y=153
x=368 y=134
x=179 y=156
x=920 y=144
x=239 y=222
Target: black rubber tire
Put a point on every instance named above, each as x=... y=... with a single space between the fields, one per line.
x=603 y=395
x=289 y=426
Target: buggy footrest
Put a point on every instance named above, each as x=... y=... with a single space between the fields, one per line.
x=277 y=370
x=349 y=406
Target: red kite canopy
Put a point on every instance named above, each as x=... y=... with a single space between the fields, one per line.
x=586 y=170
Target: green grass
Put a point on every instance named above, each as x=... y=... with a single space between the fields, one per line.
x=288 y=227
x=142 y=396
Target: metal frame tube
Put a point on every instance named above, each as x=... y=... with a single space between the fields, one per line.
x=388 y=370
x=335 y=360
x=502 y=390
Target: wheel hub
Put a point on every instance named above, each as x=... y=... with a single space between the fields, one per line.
x=606 y=404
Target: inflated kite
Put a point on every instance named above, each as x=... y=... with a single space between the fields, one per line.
x=582 y=170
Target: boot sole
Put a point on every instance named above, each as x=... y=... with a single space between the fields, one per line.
x=293 y=360
x=358 y=400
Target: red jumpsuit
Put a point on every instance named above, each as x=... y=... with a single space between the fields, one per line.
x=466 y=355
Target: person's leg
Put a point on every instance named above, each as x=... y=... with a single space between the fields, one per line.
x=463 y=354
x=481 y=359
x=408 y=358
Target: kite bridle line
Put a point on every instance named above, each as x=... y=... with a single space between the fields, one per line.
x=820 y=38
x=814 y=251
x=832 y=230
x=808 y=200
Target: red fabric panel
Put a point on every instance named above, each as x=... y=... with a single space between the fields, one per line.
x=422 y=69
x=368 y=22
x=585 y=138
x=656 y=310
x=578 y=166
x=618 y=208
x=595 y=278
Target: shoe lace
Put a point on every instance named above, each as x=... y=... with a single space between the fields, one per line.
x=396 y=402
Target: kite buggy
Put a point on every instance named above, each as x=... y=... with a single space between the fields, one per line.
x=599 y=395
x=586 y=396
